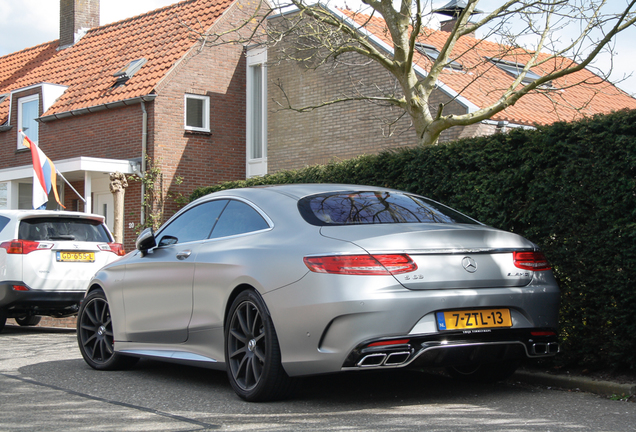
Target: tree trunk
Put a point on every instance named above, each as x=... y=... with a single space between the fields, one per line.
x=118 y=184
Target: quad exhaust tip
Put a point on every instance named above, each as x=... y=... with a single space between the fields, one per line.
x=384 y=359
x=548 y=348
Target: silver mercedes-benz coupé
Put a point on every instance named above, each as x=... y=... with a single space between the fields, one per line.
x=276 y=282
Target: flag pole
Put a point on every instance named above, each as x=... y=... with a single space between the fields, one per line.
x=71 y=186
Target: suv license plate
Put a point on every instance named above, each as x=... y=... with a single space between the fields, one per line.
x=76 y=256
x=473 y=319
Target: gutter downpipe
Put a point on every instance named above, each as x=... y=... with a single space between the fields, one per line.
x=144 y=150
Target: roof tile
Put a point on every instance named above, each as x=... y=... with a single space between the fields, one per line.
x=87 y=67
x=571 y=97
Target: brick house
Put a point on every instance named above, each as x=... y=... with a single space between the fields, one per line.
x=101 y=98
x=345 y=130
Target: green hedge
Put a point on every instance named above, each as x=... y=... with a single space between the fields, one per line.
x=569 y=187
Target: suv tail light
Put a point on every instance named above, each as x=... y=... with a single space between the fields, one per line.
x=531 y=261
x=23 y=247
x=116 y=248
x=361 y=264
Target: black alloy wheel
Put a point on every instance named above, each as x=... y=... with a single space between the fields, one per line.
x=95 y=334
x=252 y=352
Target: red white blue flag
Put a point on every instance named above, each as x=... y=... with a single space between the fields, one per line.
x=44 y=175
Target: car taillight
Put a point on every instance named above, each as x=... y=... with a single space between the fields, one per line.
x=389 y=342
x=531 y=261
x=543 y=333
x=23 y=247
x=361 y=264
x=116 y=248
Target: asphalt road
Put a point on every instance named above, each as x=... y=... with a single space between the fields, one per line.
x=46 y=386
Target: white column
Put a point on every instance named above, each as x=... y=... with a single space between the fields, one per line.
x=87 y=192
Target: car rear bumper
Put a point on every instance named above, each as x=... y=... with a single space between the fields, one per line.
x=18 y=303
x=454 y=349
x=326 y=325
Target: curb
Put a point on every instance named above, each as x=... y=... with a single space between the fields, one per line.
x=606 y=388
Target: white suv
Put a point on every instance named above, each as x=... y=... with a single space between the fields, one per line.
x=46 y=261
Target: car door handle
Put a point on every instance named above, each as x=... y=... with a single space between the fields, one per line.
x=184 y=254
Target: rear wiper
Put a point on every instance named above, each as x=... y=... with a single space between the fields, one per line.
x=62 y=237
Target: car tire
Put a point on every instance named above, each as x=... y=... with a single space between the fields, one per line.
x=3 y=319
x=252 y=352
x=95 y=335
x=484 y=372
x=28 y=320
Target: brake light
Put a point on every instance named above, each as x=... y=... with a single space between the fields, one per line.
x=116 y=248
x=389 y=342
x=543 y=333
x=531 y=261
x=23 y=247
x=361 y=264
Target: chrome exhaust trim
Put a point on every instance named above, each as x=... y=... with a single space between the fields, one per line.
x=397 y=358
x=541 y=349
x=384 y=359
x=372 y=360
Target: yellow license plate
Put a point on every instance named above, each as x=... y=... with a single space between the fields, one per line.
x=76 y=256
x=473 y=319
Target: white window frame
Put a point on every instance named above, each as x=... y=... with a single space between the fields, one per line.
x=21 y=102
x=206 y=113
x=256 y=166
x=515 y=69
x=432 y=53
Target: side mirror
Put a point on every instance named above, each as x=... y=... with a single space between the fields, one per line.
x=146 y=240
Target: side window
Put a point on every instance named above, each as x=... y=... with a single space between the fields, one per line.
x=195 y=224
x=3 y=222
x=238 y=218
x=197 y=113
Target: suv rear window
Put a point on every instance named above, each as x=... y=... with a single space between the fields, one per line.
x=375 y=207
x=39 y=229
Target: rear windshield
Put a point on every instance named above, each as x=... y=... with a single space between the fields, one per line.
x=355 y=208
x=39 y=229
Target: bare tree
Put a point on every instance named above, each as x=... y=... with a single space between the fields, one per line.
x=393 y=34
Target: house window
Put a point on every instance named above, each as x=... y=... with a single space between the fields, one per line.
x=125 y=73
x=28 y=111
x=432 y=53
x=256 y=105
x=197 y=113
x=25 y=197
x=256 y=112
x=515 y=69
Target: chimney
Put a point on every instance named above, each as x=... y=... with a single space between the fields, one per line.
x=76 y=17
x=454 y=9
x=447 y=26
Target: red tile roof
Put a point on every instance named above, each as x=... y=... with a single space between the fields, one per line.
x=480 y=82
x=87 y=67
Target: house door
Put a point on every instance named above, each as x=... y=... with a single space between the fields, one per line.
x=103 y=204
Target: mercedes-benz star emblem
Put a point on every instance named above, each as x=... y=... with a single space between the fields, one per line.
x=469 y=265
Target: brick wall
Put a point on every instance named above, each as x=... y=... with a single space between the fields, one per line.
x=69 y=322
x=202 y=159
x=343 y=130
